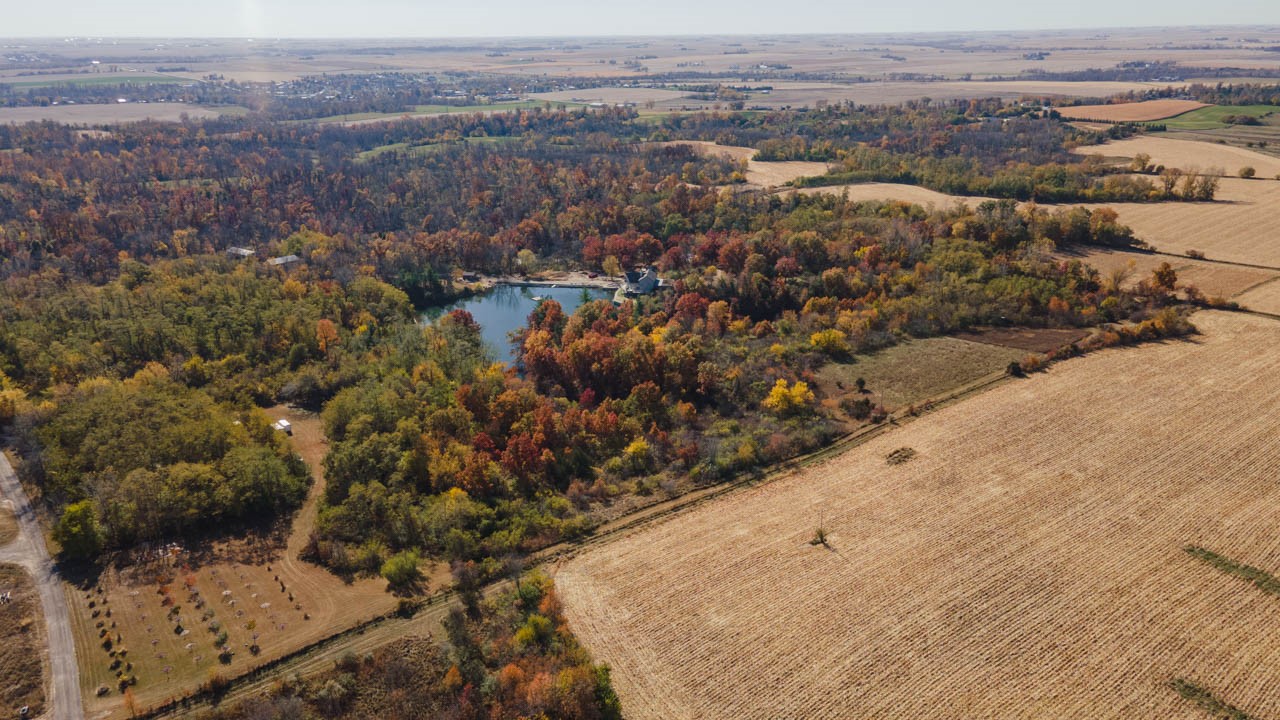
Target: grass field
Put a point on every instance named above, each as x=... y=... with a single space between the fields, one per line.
x=21 y=656
x=1210 y=118
x=162 y=611
x=1028 y=561
x=914 y=371
x=1131 y=112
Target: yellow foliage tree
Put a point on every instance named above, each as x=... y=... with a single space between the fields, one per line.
x=783 y=400
x=832 y=342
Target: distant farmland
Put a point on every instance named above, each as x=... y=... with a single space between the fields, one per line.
x=22 y=83
x=1130 y=112
x=1213 y=116
x=1083 y=543
x=110 y=114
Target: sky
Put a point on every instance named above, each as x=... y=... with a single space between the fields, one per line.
x=487 y=18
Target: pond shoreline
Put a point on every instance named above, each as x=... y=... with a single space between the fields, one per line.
x=501 y=305
x=558 y=279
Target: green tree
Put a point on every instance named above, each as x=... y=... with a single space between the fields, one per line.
x=401 y=570
x=77 y=531
x=611 y=266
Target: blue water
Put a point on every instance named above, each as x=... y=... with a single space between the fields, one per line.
x=504 y=310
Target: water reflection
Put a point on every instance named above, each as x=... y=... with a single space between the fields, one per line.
x=504 y=309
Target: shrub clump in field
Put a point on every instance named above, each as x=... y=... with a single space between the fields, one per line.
x=900 y=456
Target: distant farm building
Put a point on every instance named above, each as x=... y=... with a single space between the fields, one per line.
x=284 y=260
x=241 y=252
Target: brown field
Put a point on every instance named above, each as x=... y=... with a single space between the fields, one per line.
x=1213 y=279
x=869 y=55
x=1188 y=154
x=104 y=114
x=1264 y=297
x=1241 y=226
x=892 y=191
x=22 y=658
x=8 y=524
x=614 y=95
x=285 y=602
x=759 y=174
x=799 y=94
x=1131 y=112
x=1028 y=562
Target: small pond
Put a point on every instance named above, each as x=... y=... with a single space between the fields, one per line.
x=504 y=309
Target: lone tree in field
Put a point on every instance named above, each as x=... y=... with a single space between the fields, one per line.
x=1165 y=277
x=1247 y=172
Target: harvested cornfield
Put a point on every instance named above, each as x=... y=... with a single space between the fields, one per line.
x=1264 y=297
x=1212 y=279
x=1188 y=154
x=1130 y=112
x=1027 y=561
x=1242 y=226
x=893 y=191
x=759 y=173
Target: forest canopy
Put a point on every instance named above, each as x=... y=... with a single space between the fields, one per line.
x=136 y=351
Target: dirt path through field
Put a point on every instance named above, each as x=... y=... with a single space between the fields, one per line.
x=28 y=550
x=312 y=582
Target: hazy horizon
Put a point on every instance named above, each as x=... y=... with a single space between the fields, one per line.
x=402 y=19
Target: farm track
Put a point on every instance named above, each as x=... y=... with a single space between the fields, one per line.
x=1027 y=563
x=29 y=551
